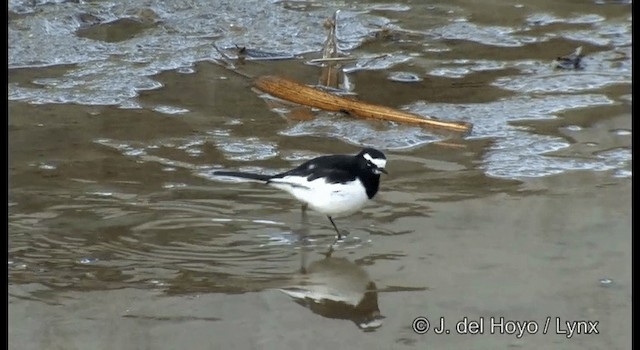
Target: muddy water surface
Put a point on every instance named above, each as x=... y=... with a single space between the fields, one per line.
x=120 y=237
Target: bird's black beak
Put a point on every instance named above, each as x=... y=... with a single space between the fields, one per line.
x=382 y=170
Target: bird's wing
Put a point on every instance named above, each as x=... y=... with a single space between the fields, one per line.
x=332 y=176
x=302 y=179
x=336 y=168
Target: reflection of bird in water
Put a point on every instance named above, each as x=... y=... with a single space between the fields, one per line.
x=337 y=288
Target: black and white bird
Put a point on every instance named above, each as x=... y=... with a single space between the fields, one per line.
x=334 y=185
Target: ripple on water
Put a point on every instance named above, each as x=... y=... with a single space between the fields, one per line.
x=404 y=77
x=544 y=19
x=461 y=68
x=560 y=82
x=103 y=243
x=234 y=148
x=377 y=63
x=621 y=132
x=486 y=35
x=515 y=152
x=605 y=34
x=104 y=72
x=390 y=7
x=247 y=149
x=363 y=133
x=353 y=28
x=170 y=110
x=616 y=157
x=112 y=73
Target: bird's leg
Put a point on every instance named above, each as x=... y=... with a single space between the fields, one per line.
x=335 y=227
x=303 y=261
x=304 y=230
x=304 y=222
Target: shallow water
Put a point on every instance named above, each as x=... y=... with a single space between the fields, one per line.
x=121 y=237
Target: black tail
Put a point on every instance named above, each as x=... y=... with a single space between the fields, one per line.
x=251 y=176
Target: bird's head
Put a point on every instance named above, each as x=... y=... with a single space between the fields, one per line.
x=373 y=160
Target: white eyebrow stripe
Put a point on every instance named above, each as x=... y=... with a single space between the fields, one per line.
x=380 y=163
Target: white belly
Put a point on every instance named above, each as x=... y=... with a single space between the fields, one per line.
x=330 y=199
